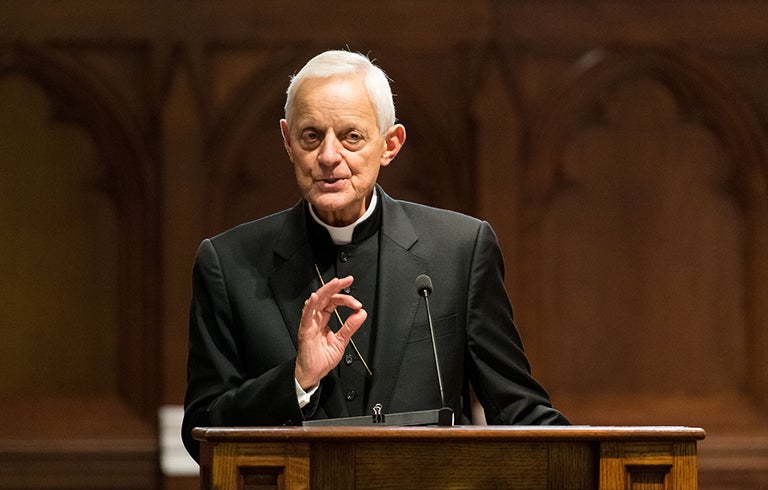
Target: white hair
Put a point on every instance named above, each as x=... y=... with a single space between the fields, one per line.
x=340 y=62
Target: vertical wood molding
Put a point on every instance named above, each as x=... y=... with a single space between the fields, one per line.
x=130 y=184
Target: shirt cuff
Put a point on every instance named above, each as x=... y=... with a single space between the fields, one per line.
x=303 y=396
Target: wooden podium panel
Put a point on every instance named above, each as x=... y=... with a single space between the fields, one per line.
x=509 y=457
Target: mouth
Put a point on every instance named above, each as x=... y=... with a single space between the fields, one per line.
x=329 y=182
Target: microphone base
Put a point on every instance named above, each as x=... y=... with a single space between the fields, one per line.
x=441 y=417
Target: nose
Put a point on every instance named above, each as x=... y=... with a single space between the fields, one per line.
x=330 y=150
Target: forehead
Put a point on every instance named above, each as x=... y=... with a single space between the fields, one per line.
x=333 y=98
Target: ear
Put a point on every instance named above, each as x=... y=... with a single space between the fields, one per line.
x=394 y=140
x=286 y=137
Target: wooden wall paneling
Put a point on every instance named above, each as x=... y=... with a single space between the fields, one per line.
x=146 y=80
x=568 y=23
x=754 y=187
x=249 y=174
x=497 y=126
x=181 y=132
x=433 y=93
x=404 y=23
x=531 y=75
x=125 y=186
x=617 y=134
x=697 y=227
x=48 y=199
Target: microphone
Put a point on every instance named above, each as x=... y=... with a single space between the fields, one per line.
x=424 y=289
x=424 y=285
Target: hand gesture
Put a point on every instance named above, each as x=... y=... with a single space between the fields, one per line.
x=320 y=349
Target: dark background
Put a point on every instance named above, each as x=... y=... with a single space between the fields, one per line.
x=618 y=149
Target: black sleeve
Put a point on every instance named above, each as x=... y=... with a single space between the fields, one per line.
x=219 y=390
x=499 y=369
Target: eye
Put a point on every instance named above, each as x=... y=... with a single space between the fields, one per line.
x=354 y=138
x=309 y=138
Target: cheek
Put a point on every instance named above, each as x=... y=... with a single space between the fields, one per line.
x=301 y=163
x=367 y=176
x=303 y=176
x=301 y=173
x=365 y=164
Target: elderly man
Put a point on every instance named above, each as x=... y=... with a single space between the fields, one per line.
x=312 y=313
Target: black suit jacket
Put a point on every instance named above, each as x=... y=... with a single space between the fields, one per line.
x=249 y=286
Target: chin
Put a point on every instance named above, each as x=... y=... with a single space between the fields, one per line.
x=328 y=203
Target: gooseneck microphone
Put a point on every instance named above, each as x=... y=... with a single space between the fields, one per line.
x=424 y=289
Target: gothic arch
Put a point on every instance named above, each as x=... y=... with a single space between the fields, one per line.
x=694 y=84
x=702 y=95
x=129 y=182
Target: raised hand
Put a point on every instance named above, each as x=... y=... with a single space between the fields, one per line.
x=320 y=349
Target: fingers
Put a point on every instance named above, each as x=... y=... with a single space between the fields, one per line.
x=334 y=286
x=328 y=297
x=319 y=348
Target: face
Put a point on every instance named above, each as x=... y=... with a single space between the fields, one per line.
x=336 y=146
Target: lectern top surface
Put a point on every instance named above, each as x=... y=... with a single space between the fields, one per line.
x=498 y=432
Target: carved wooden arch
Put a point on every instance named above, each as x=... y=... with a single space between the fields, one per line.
x=693 y=83
x=719 y=107
x=130 y=182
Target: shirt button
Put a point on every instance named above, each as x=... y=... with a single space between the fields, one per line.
x=347 y=290
x=343 y=256
x=351 y=395
x=349 y=359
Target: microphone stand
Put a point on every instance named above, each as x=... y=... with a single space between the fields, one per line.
x=445 y=413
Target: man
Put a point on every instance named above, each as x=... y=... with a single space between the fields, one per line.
x=312 y=313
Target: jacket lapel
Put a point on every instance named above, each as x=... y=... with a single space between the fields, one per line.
x=293 y=278
x=292 y=281
x=398 y=301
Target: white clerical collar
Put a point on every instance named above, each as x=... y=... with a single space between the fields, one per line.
x=342 y=235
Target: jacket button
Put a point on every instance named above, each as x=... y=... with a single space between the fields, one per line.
x=349 y=359
x=351 y=395
x=343 y=256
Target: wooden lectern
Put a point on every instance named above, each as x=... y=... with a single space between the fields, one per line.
x=508 y=457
